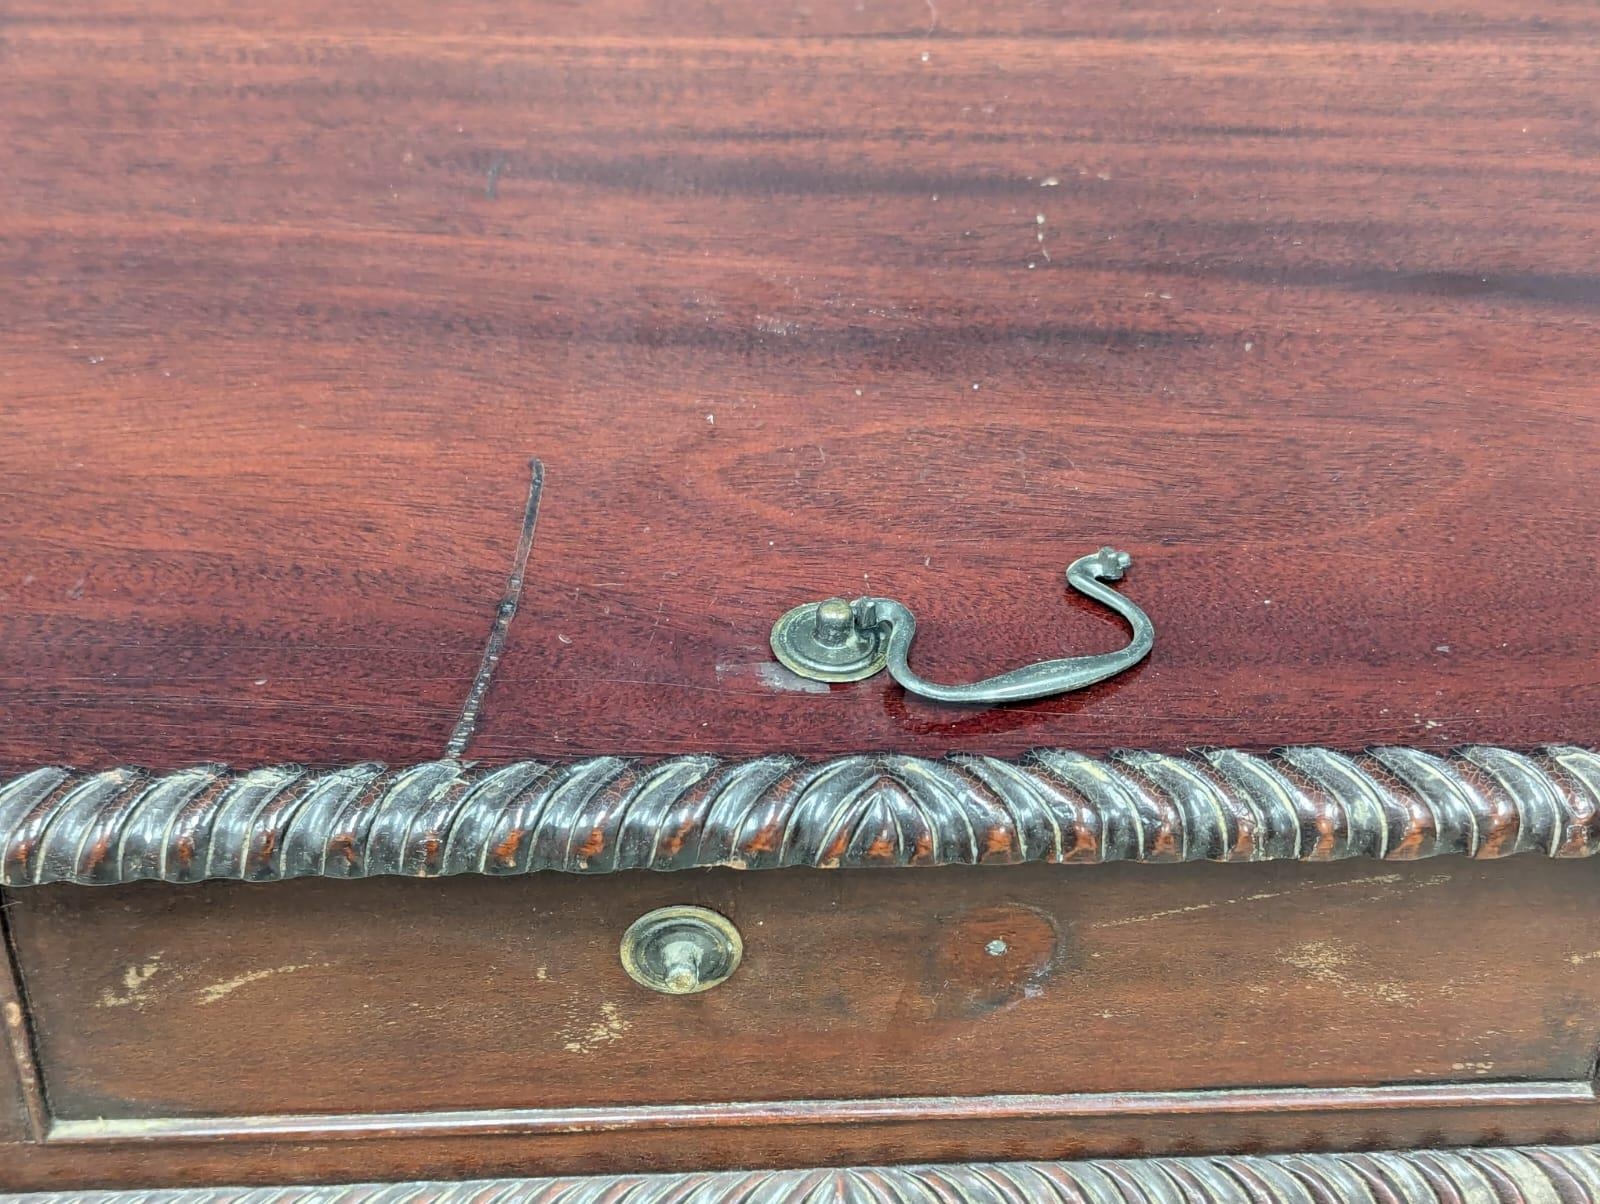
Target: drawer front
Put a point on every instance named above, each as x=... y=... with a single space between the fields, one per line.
x=399 y=995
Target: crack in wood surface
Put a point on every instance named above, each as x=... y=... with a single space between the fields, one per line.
x=461 y=734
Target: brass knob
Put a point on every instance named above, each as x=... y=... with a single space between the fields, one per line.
x=681 y=950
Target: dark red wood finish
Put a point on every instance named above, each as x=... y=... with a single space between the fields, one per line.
x=1296 y=305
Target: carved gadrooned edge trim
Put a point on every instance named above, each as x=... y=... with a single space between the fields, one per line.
x=1534 y=1175
x=608 y=814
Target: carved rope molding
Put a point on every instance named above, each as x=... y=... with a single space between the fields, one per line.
x=1534 y=1175
x=608 y=814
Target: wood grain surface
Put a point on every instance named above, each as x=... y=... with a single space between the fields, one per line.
x=470 y=994
x=1295 y=303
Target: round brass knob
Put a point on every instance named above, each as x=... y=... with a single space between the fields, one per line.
x=681 y=950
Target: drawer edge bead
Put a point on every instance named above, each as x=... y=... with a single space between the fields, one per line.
x=608 y=814
x=1508 y=1175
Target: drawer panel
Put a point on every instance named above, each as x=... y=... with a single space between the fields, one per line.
x=474 y=993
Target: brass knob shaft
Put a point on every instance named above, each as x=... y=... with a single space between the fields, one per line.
x=681 y=950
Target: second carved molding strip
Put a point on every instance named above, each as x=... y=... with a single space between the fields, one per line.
x=608 y=814
x=1532 y=1175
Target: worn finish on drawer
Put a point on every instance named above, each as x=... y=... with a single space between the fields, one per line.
x=321 y=996
x=18 y=1085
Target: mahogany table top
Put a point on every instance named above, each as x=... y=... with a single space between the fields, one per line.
x=924 y=299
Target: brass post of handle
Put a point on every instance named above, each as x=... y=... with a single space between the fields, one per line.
x=681 y=950
x=839 y=640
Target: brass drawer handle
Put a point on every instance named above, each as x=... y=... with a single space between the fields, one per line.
x=681 y=950
x=836 y=640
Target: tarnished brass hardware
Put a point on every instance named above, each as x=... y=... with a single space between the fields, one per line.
x=681 y=950
x=825 y=641
x=836 y=640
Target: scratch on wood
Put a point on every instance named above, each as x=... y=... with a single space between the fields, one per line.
x=594 y=1031
x=1146 y=917
x=1329 y=962
x=135 y=986
x=491 y=188
x=770 y=675
x=502 y=618
x=221 y=990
